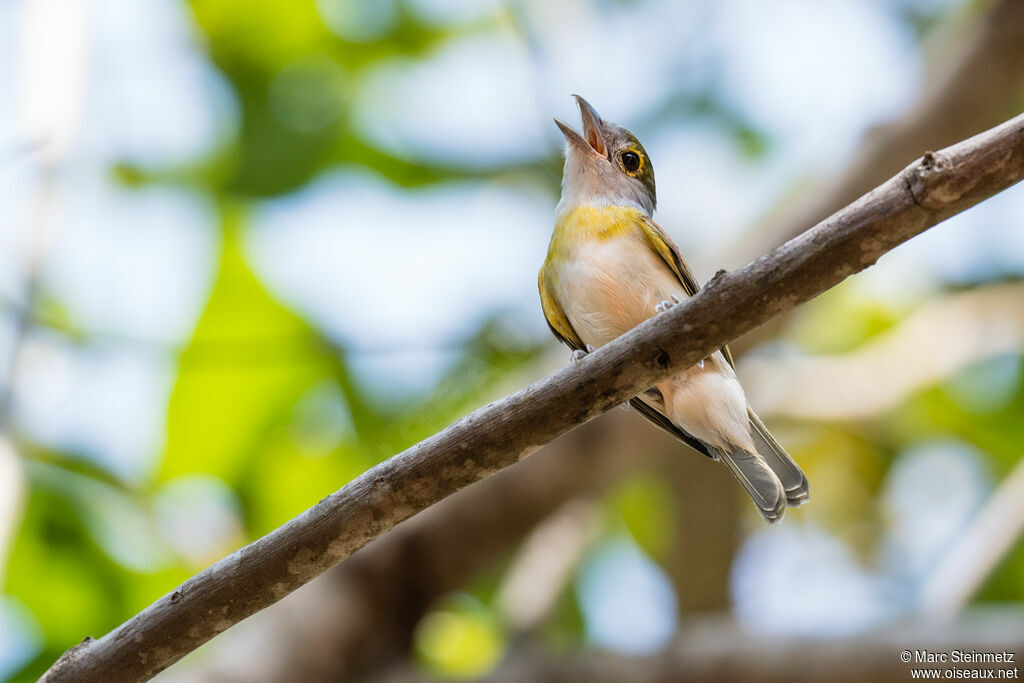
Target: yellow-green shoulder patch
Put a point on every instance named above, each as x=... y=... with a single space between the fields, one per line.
x=667 y=250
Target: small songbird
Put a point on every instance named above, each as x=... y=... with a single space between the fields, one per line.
x=609 y=267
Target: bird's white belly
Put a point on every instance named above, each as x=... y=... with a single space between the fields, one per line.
x=607 y=288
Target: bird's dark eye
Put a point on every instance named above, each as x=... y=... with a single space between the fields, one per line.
x=630 y=161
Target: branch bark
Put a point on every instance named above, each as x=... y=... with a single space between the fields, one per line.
x=928 y=191
x=975 y=80
x=971 y=87
x=360 y=617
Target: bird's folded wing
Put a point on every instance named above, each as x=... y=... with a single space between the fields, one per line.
x=669 y=253
x=658 y=418
x=555 y=316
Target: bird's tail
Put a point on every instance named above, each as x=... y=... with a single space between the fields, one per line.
x=759 y=480
x=793 y=480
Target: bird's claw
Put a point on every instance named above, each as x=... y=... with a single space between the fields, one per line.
x=667 y=304
x=577 y=355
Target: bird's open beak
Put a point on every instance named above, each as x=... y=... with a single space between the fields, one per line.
x=592 y=140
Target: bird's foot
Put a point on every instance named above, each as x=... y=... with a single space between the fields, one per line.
x=576 y=356
x=667 y=304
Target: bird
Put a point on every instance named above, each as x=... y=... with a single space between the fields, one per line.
x=610 y=267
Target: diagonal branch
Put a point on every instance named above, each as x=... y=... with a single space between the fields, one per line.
x=360 y=616
x=928 y=191
x=977 y=74
x=975 y=80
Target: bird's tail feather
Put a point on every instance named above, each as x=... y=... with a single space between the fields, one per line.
x=759 y=480
x=789 y=473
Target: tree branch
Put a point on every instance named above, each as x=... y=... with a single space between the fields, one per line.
x=360 y=617
x=928 y=191
x=975 y=81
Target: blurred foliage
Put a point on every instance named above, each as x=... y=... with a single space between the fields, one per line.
x=459 y=639
x=83 y=559
x=246 y=350
x=266 y=415
x=263 y=401
x=989 y=418
x=847 y=469
x=646 y=505
x=842 y=319
x=293 y=78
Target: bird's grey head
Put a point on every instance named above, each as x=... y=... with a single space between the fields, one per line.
x=606 y=165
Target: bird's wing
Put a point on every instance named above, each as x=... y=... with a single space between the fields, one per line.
x=669 y=253
x=649 y=405
x=555 y=316
x=789 y=473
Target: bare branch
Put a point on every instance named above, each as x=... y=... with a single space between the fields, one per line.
x=930 y=190
x=975 y=80
x=978 y=551
x=361 y=615
x=971 y=87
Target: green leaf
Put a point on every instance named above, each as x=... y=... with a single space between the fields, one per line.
x=646 y=504
x=247 y=364
x=461 y=639
x=61 y=569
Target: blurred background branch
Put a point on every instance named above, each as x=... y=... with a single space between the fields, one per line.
x=975 y=70
x=716 y=650
x=879 y=375
x=968 y=564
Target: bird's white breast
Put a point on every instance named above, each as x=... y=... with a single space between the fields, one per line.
x=610 y=286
